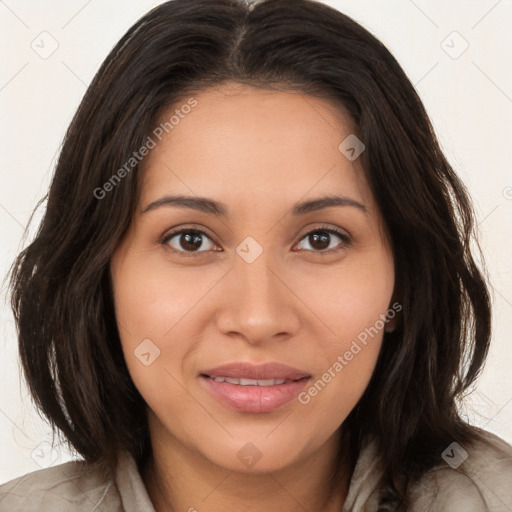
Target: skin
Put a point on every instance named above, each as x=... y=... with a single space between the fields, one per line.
x=258 y=152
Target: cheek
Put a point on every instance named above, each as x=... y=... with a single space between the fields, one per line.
x=352 y=299
x=352 y=308
x=155 y=306
x=144 y=312
x=326 y=403
x=346 y=362
x=152 y=298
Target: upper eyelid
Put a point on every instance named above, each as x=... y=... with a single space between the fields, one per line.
x=179 y=231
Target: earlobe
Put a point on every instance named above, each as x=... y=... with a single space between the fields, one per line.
x=390 y=325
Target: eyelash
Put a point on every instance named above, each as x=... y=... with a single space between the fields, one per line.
x=321 y=229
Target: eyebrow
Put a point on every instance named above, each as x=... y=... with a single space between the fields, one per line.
x=203 y=204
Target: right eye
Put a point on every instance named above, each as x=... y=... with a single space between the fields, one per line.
x=187 y=240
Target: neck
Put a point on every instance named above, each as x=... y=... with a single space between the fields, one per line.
x=180 y=479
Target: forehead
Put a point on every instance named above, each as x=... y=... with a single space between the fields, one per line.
x=242 y=143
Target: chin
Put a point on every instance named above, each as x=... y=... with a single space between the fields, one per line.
x=255 y=457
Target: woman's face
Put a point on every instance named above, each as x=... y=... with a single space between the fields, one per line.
x=245 y=284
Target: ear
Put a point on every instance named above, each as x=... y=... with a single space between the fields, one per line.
x=391 y=324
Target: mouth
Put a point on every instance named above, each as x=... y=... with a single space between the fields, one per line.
x=254 y=389
x=247 y=372
x=252 y=382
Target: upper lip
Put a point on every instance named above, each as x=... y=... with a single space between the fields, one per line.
x=264 y=371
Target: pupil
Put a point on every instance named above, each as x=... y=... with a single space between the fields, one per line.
x=322 y=238
x=192 y=241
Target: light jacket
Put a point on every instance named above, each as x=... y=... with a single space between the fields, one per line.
x=477 y=478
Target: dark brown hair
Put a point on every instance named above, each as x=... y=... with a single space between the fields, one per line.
x=62 y=295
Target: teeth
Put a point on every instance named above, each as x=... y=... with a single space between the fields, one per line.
x=251 y=382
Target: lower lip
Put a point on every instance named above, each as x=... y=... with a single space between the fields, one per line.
x=254 y=398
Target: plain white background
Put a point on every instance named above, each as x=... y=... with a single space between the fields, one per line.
x=456 y=52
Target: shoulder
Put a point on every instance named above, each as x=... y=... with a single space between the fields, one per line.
x=474 y=478
x=73 y=485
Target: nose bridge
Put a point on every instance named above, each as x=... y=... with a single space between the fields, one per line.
x=259 y=306
x=257 y=284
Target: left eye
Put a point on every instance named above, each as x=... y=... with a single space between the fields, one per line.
x=323 y=236
x=192 y=241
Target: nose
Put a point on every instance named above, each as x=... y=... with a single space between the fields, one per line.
x=258 y=305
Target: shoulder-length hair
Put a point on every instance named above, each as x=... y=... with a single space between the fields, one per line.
x=61 y=289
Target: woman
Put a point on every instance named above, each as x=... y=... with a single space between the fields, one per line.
x=253 y=287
